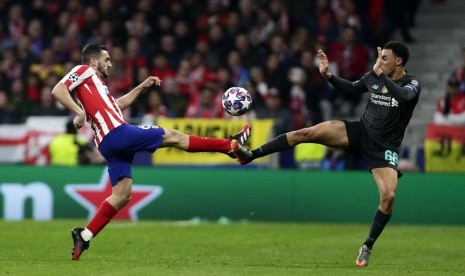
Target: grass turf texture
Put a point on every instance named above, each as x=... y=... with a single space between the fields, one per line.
x=180 y=248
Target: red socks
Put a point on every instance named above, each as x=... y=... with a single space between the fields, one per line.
x=101 y=218
x=207 y=144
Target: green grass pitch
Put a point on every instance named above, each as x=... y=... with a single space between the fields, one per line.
x=183 y=248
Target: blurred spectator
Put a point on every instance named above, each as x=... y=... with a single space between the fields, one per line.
x=198 y=69
x=265 y=24
x=46 y=66
x=161 y=68
x=137 y=26
x=36 y=35
x=120 y=80
x=218 y=47
x=297 y=92
x=59 y=49
x=10 y=67
x=299 y=41
x=273 y=109
x=184 y=36
x=155 y=109
x=260 y=86
x=280 y=16
x=168 y=47
x=105 y=35
x=215 y=14
x=249 y=56
x=351 y=58
x=24 y=54
x=247 y=13
x=22 y=105
x=91 y=21
x=459 y=73
x=321 y=20
x=233 y=27
x=184 y=78
x=317 y=91
x=412 y=10
x=279 y=48
x=207 y=106
x=33 y=87
x=224 y=78
x=239 y=74
x=398 y=19
x=275 y=75
x=137 y=108
x=176 y=100
x=69 y=149
x=16 y=22
x=451 y=108
x=133 y=59
x=8 y=114
x=47 y=105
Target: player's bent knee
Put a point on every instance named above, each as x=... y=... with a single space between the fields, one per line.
x=388 y=197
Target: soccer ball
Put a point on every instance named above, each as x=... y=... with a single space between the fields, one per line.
x=236 y=101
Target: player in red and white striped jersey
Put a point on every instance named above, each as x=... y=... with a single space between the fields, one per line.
x=101 y=108
x=117 y=140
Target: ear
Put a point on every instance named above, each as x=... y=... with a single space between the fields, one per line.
x=93 y=61
x=399 y=61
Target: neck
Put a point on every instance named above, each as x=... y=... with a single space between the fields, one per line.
x=398 y=74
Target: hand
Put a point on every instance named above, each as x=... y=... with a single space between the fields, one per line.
x=377 y=68
x=79 y=120
x=151 y=81
x=324 y=64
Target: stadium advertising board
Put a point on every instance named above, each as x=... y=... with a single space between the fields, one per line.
x=218 y=128
x=46 y=193
x=444 y=148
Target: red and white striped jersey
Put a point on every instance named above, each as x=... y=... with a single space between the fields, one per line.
x=102 y=111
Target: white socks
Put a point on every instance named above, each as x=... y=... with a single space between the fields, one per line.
x=86 y=234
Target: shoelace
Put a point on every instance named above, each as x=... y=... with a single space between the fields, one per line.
x=365 y=254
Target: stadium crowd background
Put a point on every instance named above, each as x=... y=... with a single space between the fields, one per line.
x=199 y=49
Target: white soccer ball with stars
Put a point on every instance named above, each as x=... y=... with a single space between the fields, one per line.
x=236 y=101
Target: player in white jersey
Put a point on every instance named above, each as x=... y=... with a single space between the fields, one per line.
x=117 y=140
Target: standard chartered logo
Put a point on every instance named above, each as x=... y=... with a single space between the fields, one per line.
x=383 y=100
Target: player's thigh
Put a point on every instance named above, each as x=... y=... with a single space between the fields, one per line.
x=330 y=133
x=386 y=179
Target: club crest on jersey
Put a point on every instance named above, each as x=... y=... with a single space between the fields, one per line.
x=384 y=90
x=375 y=87
x=73 y=77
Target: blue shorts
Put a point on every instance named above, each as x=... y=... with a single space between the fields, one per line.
x=121 y=144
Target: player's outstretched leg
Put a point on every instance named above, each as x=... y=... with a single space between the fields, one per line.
x=363 y=256
x=243 y=155
x=79 y=244
x=241 y=137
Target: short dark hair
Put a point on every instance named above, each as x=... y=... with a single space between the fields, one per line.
x=92 y=50
x=399 y=49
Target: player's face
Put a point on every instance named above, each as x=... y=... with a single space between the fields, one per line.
x=390 y=62
x=104 y=64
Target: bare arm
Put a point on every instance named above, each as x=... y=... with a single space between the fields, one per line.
x=131 y=96
x=61 y=94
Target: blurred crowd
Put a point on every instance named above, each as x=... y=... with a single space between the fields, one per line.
x=198 y=49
